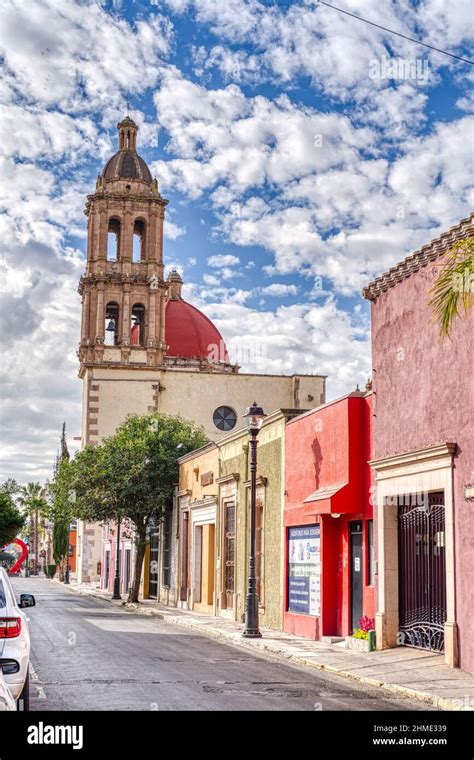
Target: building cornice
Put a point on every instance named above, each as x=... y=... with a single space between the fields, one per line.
x=232 y=476
x=420 y=258
x=431 y=453
x=197 y=452
x=321 y=407
x=207 y=501
x=261 y=481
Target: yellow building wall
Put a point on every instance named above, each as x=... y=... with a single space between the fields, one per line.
x=190 y=473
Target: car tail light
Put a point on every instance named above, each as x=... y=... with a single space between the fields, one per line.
x=10 y=627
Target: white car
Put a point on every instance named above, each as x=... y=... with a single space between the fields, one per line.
x=7 y=703
x=15 y=641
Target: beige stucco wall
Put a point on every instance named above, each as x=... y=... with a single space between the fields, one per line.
x=193 y=395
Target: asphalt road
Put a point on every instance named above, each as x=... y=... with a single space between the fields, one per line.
x=87 y=655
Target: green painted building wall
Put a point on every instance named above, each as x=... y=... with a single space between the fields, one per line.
x=234 y=455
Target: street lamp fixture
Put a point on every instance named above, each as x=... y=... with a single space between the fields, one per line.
x=255 y=417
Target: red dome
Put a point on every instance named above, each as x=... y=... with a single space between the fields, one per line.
x=190 y=334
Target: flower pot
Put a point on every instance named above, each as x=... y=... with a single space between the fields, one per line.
x=361 y=645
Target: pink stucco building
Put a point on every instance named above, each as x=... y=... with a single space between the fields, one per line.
x=423 y=460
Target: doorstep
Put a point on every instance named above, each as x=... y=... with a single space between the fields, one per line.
x=413 y=673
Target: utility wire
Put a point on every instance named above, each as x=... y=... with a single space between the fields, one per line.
x=391 y=31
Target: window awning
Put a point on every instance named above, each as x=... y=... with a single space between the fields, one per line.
x=327 y=500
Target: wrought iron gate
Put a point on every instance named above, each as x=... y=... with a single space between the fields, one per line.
x=422 y=570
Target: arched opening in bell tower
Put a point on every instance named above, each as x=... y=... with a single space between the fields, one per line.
x=111 y=324
x=138 y=252
x=137 y=328
x=113 y=239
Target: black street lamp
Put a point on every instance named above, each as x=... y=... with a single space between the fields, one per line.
x=116 y=594
x=66 y=574
x=255 y=416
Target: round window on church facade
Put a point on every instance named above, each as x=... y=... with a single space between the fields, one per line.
x=224 y=418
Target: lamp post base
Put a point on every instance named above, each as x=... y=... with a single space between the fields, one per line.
x=116 y=594
x=252 y=633
x=251 y=630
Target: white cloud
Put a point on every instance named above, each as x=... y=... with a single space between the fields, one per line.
x=78 y=56
x=318 y=195
x=29 y=132
x=278 y=289
x=227 y=273
x=223 y=260
x=445 y=23
x=306 y=338
x=279 y=43
x=229 y=143
x=173 y=231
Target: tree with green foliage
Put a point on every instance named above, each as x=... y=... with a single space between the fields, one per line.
x=454 y=286
x=10 y=486
x=11 y=520
x=32 y=499
x=131 y=476
x=61 y=504
x=61 y=512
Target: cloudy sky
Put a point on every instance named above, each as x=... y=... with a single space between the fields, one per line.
x=302 y=151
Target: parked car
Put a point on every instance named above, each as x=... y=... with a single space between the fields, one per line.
x=7 y=703
x=15 y=641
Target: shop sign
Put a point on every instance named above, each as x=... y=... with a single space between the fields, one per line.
x=304 y=570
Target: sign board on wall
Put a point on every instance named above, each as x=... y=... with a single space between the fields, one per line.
x=304 y=570
x=207 y=478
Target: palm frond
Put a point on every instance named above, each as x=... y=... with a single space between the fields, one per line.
x=453 y=288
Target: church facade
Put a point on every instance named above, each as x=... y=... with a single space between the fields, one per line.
x=143 y=348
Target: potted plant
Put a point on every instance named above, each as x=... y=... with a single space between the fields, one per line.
x=363 y=637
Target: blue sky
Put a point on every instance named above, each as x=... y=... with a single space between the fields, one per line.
x=303 y=152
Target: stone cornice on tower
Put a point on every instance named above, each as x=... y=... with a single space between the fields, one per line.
x=120 y=191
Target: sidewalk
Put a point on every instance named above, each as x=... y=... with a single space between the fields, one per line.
x=411 y=672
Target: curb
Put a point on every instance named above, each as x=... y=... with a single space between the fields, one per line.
x=440 y=703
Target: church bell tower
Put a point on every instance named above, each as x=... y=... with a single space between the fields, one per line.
x=123 y=290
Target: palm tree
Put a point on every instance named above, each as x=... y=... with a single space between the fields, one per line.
x=33 y=500
x=454 y=286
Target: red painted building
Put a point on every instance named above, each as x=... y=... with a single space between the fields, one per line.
x=328 y=519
